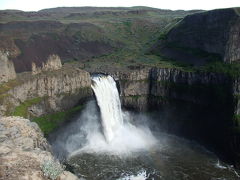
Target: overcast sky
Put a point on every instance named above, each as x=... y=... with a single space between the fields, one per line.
x=34 y=5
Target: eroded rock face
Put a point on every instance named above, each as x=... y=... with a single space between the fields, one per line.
x=7 y=70
x=53 y=63
x=141 y=88
x=201 y=37
x=55 y=90
x=233 y=46
x=23 y=149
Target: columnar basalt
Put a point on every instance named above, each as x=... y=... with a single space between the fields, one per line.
x=53 y=63
x=7 y=71
x=50 y=91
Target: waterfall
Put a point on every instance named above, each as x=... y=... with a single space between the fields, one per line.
x=107 y=96
x=112 y=131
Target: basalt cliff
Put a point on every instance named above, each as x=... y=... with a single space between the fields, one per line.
x=24 y=152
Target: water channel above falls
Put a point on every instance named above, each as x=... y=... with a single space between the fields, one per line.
x=103 y=142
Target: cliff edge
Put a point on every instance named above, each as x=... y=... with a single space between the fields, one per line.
x=7 y=70
x=202 y=37
x=25 y=153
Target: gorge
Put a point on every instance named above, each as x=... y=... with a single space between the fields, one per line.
x=116 y=144
x=176 y=72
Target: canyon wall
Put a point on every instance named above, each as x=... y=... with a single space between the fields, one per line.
x=46 y=92
x=198 y=105
x=203 y=37
x=53 y=63
x=25 y=153
x=7 y=71
x=193 y=103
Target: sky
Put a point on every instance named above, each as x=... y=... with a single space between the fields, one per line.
x=35 y=5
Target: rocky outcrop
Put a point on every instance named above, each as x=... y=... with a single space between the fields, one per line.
x=198 y=38
x=53 y=63
x=142 y=87
x=7 y=71
x=24 y=151
x=232 y=52
x=48 y=92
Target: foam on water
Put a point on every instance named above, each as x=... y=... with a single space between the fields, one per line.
x=119 y=135
x=142 y=175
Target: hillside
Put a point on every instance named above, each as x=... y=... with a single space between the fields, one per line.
x=118 y=36
x=203 y=37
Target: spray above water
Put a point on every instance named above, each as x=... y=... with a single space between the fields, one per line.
x=113 y=144
x=116 y=134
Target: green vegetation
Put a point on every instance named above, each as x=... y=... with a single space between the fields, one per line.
x=196 y=52
x=232 y=70
x=8 y=85
x=220 y=94
x=237 y=119
x=22 y=109
x=50 y=122
x=236 y=126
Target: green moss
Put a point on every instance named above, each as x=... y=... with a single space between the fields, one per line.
x=218 y=94
x=163 y=36
x=50 y=122
x=134 y=81
x=8 y=85
x=135 y=97
x=195 y=51
x=2 y=97
x=232 y=70
x=22 y=109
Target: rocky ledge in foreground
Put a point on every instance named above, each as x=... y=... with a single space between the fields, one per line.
x=26 y=154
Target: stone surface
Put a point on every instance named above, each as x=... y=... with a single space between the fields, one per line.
x=53 y=63
x=23 y=150
x=137 y=86
x=7 y=70
x=201 y=35
x=67 y=176
x=58 y=90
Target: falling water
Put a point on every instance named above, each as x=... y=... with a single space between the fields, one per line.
x=115 y=144
x=108 y=101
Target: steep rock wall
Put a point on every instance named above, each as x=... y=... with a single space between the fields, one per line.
x=24 y=150
x=201 y=37
x=53 y=63
x=47 y=92
x=7 y=71
x=191 y=104
x=232 y=52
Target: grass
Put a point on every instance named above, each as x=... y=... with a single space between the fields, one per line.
x=50 y=122
x=22 y=109
x=232 y=70
x=195 y=51
x=8 y=85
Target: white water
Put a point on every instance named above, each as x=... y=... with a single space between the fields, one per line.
x=108 y=101
x=116 y=134
x=85 y=136
x=142 y=175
